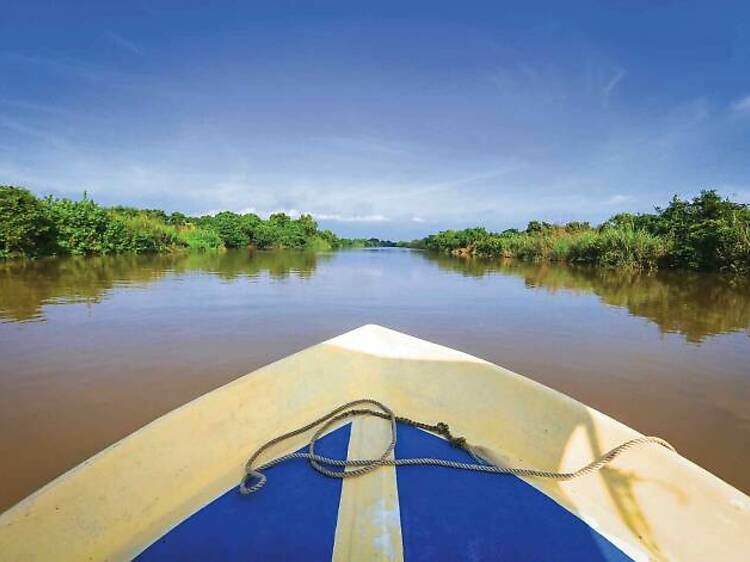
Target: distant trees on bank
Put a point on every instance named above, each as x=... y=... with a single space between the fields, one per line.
x=32 y=227
x=706 y=233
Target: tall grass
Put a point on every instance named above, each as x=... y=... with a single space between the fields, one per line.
x=611 y=246
x=145 y=234
x=201 y=239
x=707 y=233
x=318 y=244
x=628 y=247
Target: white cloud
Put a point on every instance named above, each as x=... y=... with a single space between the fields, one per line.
x=294 y=213
x=742 y=105
x=351 y=218
x=618 y=199
x=560 y=164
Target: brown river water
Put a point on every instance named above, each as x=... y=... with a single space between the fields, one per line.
x=91 y=349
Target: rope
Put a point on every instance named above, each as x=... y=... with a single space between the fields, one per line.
x=358 y=467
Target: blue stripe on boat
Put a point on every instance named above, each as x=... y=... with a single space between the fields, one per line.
x=445 y=515
x=459 y=515
x=292 y=518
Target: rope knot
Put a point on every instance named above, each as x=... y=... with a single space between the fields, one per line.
x=443 y=428
x=252 y=475
x=458 y=442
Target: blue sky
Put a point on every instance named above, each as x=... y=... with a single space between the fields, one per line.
x=386 y=119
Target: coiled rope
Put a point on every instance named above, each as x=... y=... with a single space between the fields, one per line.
x=254 y=478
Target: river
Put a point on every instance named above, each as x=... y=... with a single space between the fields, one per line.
x=93 y=348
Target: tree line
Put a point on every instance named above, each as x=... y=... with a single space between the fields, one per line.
x=31 y=227
x=707 y=233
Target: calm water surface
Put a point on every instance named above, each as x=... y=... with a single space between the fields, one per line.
x=91 y=349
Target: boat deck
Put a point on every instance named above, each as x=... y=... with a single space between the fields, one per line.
x=169 y=490
x=442 y=514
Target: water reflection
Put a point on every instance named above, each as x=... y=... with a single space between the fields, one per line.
x=26 y=286
x=694 y=304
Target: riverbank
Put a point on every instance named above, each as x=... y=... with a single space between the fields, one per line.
x=35 y=227
x=707 y=233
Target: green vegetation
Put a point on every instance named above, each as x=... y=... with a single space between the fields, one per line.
x=705 y=233
x=25 y=224
x=33 y=227
x=360 y=243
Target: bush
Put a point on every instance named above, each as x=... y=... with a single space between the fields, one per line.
x=83 y=227
x=26 y=228
x=318 y=244
x=177 y=219
x=231 y=229
x=708 y=233
x=281 y=231
x=577 y=226
x=142 y=233
x=198 y=238
x=619 y=247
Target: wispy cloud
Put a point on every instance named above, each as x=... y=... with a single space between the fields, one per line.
x=612 y=83
x=124 y=44
x=36 y=133
x=742 y=105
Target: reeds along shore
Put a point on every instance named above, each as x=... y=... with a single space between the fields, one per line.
x=705 y=233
